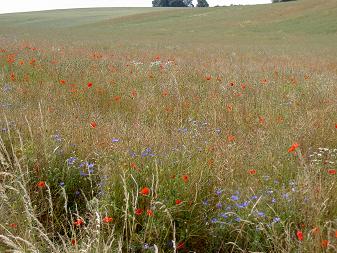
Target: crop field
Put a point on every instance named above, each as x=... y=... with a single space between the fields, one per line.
x=169 y=129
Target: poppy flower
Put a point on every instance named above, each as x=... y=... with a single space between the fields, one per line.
x=78 y=222
x=62 y=81
x=185 y=178
x=149 y=212
x=41 y=184
x=107 y=219
x=138 y=211
x=89 y=84
x=261 y=120
x=293 y=147
x=164 y=93
x=157 y=57
x=264 y=81
x=325 y=243
x=229 y=108
x=32 y=62
x=332 y=172
x=180 y=245
x=208 y=77
x=299 y=235
x=21 y=62
x=117 y=99
x=93 y=124
x=336 y=233
x=231 y=84
x=231 y=138
x=12 y=76
x=252 y=172
x=73 y=242
x=145 y=191
x=13 y=225
x=336 y=126
x=133 y=93
x=178 y=201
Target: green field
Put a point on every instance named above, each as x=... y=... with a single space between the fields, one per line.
x=169 y=129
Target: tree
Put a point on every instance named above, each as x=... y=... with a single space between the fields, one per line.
x=202 y=3
x=172 y=3
x=279 y=1
x=160 y=3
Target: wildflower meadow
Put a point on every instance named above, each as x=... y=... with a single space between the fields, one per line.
x=186 y=130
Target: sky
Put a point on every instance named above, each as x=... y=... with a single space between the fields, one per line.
x=8 y=6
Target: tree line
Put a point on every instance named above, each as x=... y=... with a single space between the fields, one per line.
x=178 y=3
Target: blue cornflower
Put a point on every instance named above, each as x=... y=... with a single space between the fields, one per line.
x=253 y=197
x=205 y=202
x=235 y=197
x=224 y=215
x=214 y=220
x=243 y=205
x=71 y=160
x=114 y=140
x=218 y=205
x=218 y=192
x=57 y=137
x=61 y=184
x=276 y=219
x=285 y=195
x=261 y=214
x=237 y=219
x=273 y=200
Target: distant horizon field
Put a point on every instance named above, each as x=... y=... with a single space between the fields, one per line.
x=169 y=129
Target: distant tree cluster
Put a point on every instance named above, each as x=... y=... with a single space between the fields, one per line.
x=178 y=3
x=279 y=1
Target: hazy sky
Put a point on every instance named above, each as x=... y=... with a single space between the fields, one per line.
x=7 y=6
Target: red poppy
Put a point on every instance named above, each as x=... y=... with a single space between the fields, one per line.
x=325 y=243
x=157 y=57
x=93 y=124
x=208 y=77
x=252 y=172
x=299 y=235
x=178 y=201
x=145 y=191
x=336 y=126
x=107 y=219
x=185 y=178
x=332 y=172
x=231 y=84
x=78 y=222
x=243 y=86
x=261 y=120
x=293 y=147
x=180 y=245
x=12 y=76
x=41 y=184
x=138 y=211
x=62 y=81
x=32 y=62
x=264 y=81
x=229 y=108
x=89 y=84
x=13 y=225
x=21 y=62
x=133 y=93
x=336 y=233
x=149 y=212
x=231 y=138
x=164 y=93
x=117 y=98
x=73 y=242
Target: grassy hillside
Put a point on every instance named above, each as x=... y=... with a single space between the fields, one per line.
x=177 y=130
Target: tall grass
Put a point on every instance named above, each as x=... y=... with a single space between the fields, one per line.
x=166 y=152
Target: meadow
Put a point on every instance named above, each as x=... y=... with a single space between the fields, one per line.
x=169 y=130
